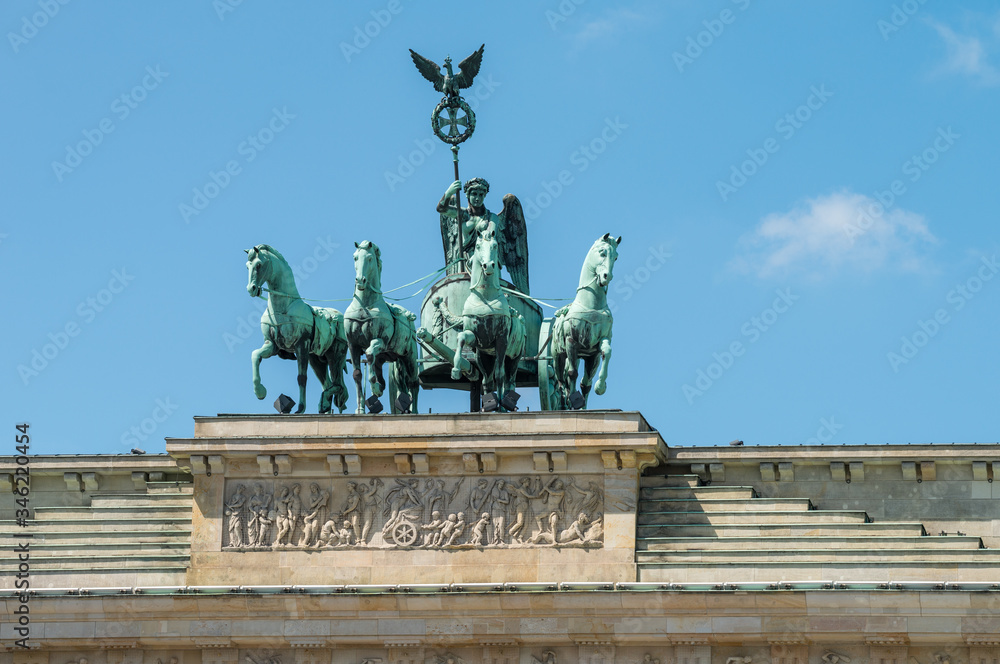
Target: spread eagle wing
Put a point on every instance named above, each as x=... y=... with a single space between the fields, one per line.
x=514 y=246
x=469 y=68
x=430 y=70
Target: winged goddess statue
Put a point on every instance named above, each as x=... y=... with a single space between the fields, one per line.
x=460 y=227
x=466 y=225
x=449 y=83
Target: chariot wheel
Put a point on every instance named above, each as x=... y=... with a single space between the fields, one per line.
x=549 y=395
x=404 y=534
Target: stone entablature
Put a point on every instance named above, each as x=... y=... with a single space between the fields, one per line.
x=420 y=498
x=674 y=627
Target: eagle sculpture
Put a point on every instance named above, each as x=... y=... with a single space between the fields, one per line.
x=449 y=83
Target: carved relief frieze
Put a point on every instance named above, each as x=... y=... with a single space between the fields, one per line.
x=430 y=513
x=831 y=657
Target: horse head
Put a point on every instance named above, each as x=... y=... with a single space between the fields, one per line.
x=486 y=259
x=600 y=263
x=258 y=268
x=367 y=267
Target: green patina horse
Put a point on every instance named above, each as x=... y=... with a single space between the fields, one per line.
x=383 y=332
x=583 y=329
x=489 y=325
x=293 y=330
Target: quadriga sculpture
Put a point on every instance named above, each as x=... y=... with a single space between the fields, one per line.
x=489 y=325
x=383 y=332
x=294 y=330
x=583 y=329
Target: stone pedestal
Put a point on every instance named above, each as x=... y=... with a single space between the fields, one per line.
x=416 y=499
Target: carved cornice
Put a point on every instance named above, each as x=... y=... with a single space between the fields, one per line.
x=887 y=640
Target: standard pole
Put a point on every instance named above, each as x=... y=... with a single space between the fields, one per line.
x=458 y=212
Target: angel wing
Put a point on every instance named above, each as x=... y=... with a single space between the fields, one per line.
x=431 y=70
x=514 y=244
x=469 y=67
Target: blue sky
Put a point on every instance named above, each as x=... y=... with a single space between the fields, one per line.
x=806 y=193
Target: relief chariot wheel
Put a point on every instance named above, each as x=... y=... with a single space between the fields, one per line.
x=404 y=534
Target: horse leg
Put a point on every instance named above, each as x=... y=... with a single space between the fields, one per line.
x=602 y=379
x=412 y=380
x=321 y=370
x=302 y=357
x=264 y=352
x=589 y=369
x=461 y=364
x=488 y=364
x=414 y=393
x=337 y=365
x=403 y=377
x=393 y=386
x=376 y=358
x=572 y=364
x=356 y=363
x=559 y=369
x=499 y=373
x=510 y=374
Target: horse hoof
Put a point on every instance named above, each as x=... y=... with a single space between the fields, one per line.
x=301 y=409
x=599 y=387
x=377 y=389
x=260 y=391
x=456 y=374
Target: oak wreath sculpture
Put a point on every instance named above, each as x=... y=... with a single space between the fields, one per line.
x=478 y=332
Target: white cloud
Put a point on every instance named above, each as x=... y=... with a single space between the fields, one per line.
x=968 y=55
x=841 y=230
x=610 y=24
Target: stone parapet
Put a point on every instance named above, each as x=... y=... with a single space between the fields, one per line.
x=948 y=488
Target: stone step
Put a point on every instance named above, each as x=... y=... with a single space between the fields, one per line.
x=719 y=517
x=90 y=562
x=669 y=480
x=113 y=575
x=107 y=537
x=145 y=550
x=90 y=525
x=975 y=569
x=873 y=554
x=139 y=499
x=170 y=487
x=804 y=529
x=112 y=512
x=785 y=543
x=697 y=492
x=725 y=505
